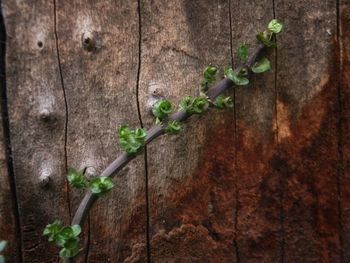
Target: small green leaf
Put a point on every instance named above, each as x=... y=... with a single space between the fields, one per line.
x=76 y=178
x=222 y=102
x=265 y=39
x=199 y=105
x=261 y=66
x=131 y=141
x=66 y=253
x=209 y=77
x=275 y=26
x=161 y=109
x=238 y=79
x=174 y=127
x=76 y=230
x=3 y=244
x=186 y=104
x=243 y=52
x=101 y=184
x=52 y=230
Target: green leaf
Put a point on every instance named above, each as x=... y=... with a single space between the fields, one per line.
x=68 y=253
x=186 y=104
x=243 y=52
x=238 y=79
x=265 y=39
x=124 y=131
x=161 y=109
x=174 y=127
x=76 y=178
x=131 y=141
x=275 y=26
x=199 y=105
x=3 y=244
x=261 y=66
x=209 y=77
x=101 y=184
x=222 y=102
x=52 y=230
x=76 y=230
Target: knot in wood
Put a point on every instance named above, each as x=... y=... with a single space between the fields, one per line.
x=47 y=116
x=91 y=41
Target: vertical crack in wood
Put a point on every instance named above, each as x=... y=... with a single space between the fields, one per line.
x=148 y=245
x=7 y=137
x=236 y=193
x=340 y=165
x=65 y=102
x=280 y=177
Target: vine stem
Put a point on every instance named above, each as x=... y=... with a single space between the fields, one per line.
x=156 y=131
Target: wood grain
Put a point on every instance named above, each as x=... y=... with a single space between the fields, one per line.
x=98 y=46
x=307 y=115
x=343 y=70
x=190 y=182
x=259 y=234
x=37 y=123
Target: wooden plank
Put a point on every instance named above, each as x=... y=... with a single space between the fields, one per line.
x=37 y=122
x=343 y=71
x=259 y=233
x=307 y=117
x=98 y=46
x=8 y=215
x=191 y=179
x=8 y=227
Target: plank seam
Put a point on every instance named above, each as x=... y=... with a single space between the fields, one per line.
x=65 y=101
x=148 y=245
x=7 y=136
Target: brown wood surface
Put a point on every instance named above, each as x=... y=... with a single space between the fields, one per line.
x=100 y=82
x=267 y=181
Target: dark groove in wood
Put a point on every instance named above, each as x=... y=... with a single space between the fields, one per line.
x=65 y=103
x=236 y=193
x=7 y=137
x=141 y=123
x=340 y=171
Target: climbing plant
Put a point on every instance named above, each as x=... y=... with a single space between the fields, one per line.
x=168 y=119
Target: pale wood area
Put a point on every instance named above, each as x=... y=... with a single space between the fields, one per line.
x=267 y=181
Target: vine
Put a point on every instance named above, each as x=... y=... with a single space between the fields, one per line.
x=133 y=141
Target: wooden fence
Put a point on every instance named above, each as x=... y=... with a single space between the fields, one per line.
x=268 y=181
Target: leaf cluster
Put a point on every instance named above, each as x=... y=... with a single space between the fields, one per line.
x=98 y=185
x=161 y=110
x=209 y=77
x=66 y=237
x=131 y=141
x=194 y=105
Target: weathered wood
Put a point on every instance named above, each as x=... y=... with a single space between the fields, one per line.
x=8 y=227
x=8 y=214
x=342 y=70
x=265 y=182
x=99 y=52
x=191 y=193
x=37 y=122
x=307 y=116
x=259 y=233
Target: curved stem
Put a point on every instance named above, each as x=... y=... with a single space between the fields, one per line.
x=157 y=130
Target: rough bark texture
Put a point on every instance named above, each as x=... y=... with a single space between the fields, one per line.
x=267 y=181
